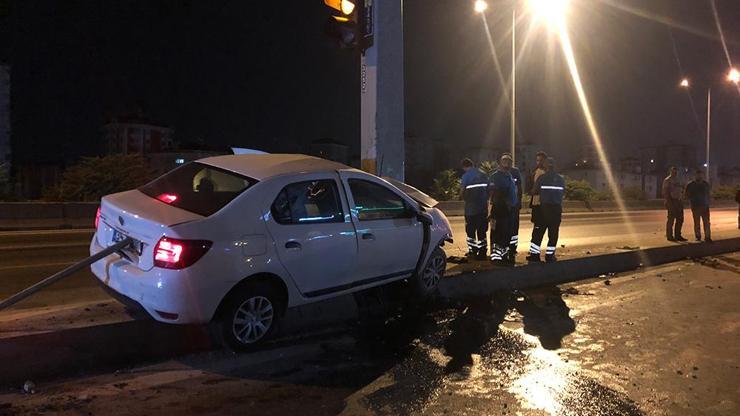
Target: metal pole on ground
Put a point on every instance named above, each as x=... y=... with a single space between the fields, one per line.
x=62 y=274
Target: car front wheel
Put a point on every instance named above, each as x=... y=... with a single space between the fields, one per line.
x=434 y=270
x=250 y=316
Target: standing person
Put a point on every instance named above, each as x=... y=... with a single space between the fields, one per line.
x=737 y=199
x=474 y=192
x=504 y=201
x=674 y=206
x=534 y=201
x=697 y=192
x=514 y=243
x=550 y=187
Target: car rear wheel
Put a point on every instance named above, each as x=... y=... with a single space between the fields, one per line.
x=434 y=270
x=250 y=316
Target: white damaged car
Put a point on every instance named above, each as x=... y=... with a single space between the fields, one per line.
x=240 y=238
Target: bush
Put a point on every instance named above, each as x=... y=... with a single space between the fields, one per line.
x=488 y=167
x=446 y=186
x=95 y=177
x=724 y=193
x=633 y=193
x=578 y=190
x=4 y=180
x=603 y=196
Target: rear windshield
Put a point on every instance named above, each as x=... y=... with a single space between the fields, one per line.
x=197 y=188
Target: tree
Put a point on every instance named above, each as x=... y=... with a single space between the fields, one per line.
x=446 y=186
x=94 y=177
x=578 y=190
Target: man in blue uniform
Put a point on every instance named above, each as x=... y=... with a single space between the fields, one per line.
x=514 y=244
x=475 y=194
x=550 y=187
x=504 y=202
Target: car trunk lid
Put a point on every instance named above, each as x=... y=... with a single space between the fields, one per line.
x=140 y=217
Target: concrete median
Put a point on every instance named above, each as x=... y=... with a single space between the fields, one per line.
x=484 y=283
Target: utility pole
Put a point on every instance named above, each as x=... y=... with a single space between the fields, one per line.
x=381 y=92
x=374 y=28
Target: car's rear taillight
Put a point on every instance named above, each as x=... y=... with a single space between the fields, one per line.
x=97 y=218
x=167 y=198
x=171 y=253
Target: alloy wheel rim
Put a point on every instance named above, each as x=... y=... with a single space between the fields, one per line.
x=252 y=319
x=433 y=272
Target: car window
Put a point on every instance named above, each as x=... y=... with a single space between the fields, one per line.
x=376 y=202
x=197 y=188
x=308 y=202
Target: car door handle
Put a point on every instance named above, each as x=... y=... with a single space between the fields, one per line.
x=293 y=245
x=368 y=236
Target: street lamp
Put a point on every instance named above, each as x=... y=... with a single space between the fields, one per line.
x=480 y=6
x=732 y=76
x=552 y=11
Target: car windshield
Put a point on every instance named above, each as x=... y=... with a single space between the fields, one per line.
x=197 y=188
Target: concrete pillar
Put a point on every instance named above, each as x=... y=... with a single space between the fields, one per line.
x=382 y=104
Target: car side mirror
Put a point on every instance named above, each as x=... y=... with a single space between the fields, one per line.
x=424 y=218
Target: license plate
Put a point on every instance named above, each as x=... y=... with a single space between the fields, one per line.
x=136 y=246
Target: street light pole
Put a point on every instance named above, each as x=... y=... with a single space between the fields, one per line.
x=709 y=126
x=513 y=84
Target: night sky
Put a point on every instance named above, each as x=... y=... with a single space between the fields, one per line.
x=262 y=74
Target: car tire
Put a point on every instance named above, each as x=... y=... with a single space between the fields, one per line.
x=426 y=282
x=250 y=316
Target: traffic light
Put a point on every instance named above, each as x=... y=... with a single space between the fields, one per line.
x=351 y=23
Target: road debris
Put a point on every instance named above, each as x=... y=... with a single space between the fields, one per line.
x=29 y=387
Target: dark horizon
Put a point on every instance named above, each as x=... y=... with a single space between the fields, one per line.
x=231 y=74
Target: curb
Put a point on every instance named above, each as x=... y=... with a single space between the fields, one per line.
x=487 y=282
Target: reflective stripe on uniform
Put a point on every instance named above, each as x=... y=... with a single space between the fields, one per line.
x=559 y=188
x=477 y=185
x=550 y=250
x=534 y=248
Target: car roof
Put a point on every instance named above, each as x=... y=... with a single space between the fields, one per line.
x=263 y=166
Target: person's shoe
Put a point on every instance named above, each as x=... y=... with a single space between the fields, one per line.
x=681 y=239
x=698 y=238
x=550 y=258
x=533 y=258
x=707 y=240
x=511 y=257
x=670 y=238
x=481 y=256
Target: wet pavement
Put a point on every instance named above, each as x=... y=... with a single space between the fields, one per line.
x=660 y=341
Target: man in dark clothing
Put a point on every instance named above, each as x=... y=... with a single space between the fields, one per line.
x=697 y=192
x=737 y=199
x=534 y=201
x=503 y=203
x=514 y=244
x=550 y=188
x=474 y=192
x=674 y=205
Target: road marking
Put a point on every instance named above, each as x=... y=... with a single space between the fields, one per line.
x=36 y=266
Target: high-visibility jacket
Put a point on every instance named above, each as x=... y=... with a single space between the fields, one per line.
x=475 y=192
x=551 y=188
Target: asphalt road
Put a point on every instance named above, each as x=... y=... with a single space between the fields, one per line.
x=29 y=256
x=660 y=341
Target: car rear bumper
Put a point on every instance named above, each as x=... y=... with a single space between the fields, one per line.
x=165 y=295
